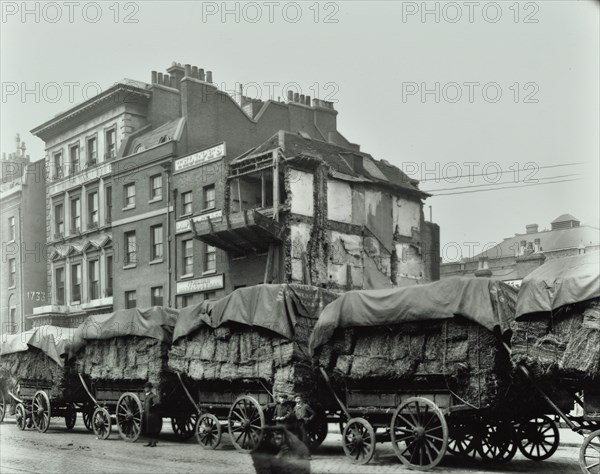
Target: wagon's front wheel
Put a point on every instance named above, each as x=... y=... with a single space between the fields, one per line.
x=589 y=454
x=208 y=431
x=129 y=416
x=21 y=416
x=462 y=438
x=184 y=425
x=246 y=422
x=497 y=443
x=419 y=433
x=317 y=430
x=358 y=440
x=87 y=414
x=40 y=411
x=538 y=438
x=101 y=423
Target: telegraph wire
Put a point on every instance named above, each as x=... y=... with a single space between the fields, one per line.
x=506 y=187
x=496 y=184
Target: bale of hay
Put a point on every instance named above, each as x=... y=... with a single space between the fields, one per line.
x=455 y=354
x=563 y=345
x=33 y=364
x=132 y=359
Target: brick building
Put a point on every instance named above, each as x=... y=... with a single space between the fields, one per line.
x=23 y=237
x=513 y=258
x=165 y=152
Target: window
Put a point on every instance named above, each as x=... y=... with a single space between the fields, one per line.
x=109 y=275
x=188 y=256
x=94 y=280
x=12 y=320
x=156 y=187
x=130 y=299
x=186 y=203
x=76 y=282
x=92 y=151
x=186 y=300
x=58 y=165
x=209 y=295
x=157 y=242
x=75 y=215
x=130 y=248
x=12 y=272
x=129 y=193
x=59 y=220
x=75 y=162
x=108 y=204
x=11 y=228
x=209 y=196
x=92 y=209
x=59 y=279
x=156 y=295
x=210 y=258
x=111 y=144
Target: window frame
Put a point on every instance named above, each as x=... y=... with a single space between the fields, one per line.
x=91 y=212
x=205 y=260
x=60 y=222
x=154 y=244
x=205 y=205
x=12 y=229
x=185 y=212
x=89 y=160
x=73 y=170
x=185 y=257
x=12 y=272
x=60 y=301
x=128 y=261
x=74 y=284
x=126 y=295
x=107 y=154
x=152 y=189
x=91 y=264
x=126 y=187
x=153 y=302
x=58 y=169
x=73 y=227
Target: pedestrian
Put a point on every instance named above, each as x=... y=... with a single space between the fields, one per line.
x=152 y=420
x=304 y=415
x=283 y=409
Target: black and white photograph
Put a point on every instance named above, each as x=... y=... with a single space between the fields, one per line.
x=312 y=236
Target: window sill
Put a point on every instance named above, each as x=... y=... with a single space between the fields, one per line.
x=156 y=199
x=128 y=208
x=12 y=287
x=185 y=216
x=76 y=302
x=187 y=276
x=131 y=265
x=209 y=272
x=206 y=209
x=155 y=261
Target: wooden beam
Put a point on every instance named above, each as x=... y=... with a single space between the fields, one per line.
x=276 y=187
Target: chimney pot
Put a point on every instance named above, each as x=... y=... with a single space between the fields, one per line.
x=201 y=74
x=160 y=78
x=154 y=77
x=173 y=83
x=194 y=71
x=209 y=76
x=531 y=228
x=188 y=70
x=167 y=80
x=290 y=96
x=307 y=100
x=296 y=97
x=302 y=99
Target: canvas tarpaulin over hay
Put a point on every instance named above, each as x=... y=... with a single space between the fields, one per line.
x=51 y=340
x=471 y=298
x=560 y=282
x=254 y=333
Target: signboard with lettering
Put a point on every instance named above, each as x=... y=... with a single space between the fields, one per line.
x=199 y=158
x=197 y=285
x=184 y=224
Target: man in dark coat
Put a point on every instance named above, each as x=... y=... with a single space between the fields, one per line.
x=304 y=414
x=152 y=420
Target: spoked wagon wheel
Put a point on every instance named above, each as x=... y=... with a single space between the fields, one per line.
x=538 y=438
x=40 y=411
x=463 y=441
x=497 y=442
x=2 y=407
x=101 y=423
x=358 y=440
x=184 y=426
x=87 y=413
x=246 y=422
x=419 y=433
x=208 y=431
x=21 y=416
x=129 y=416
x=589 y=454
x=70 y=416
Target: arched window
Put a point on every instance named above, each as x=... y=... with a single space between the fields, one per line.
x=164 y=138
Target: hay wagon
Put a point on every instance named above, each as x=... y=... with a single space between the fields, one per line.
x=422 y=367
x=41 y=382
x=556 y=343
x=117 y=353
x=234 y=355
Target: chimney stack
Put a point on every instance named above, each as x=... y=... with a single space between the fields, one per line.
x=307 y=100
x=302 y=100
x=166 y=80
x=176 y=71
x=188 y=70
x=194 y=72
x=160 y=78
x=531 y=228
x=154 y=77
x=209 y=76
x=290 y=96
x=201 y=74
x=296 y=97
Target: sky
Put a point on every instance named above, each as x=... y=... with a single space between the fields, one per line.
x=503 y=94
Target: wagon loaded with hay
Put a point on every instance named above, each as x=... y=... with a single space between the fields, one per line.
x=39 y=379
x=116 y=354
x=235 y=354
x=556 y=343
x=424 y=367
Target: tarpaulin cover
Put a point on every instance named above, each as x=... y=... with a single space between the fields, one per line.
x=272 y=307
x=481 y=300
x=560 y=282
x=52 y=340
x=156 y=322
